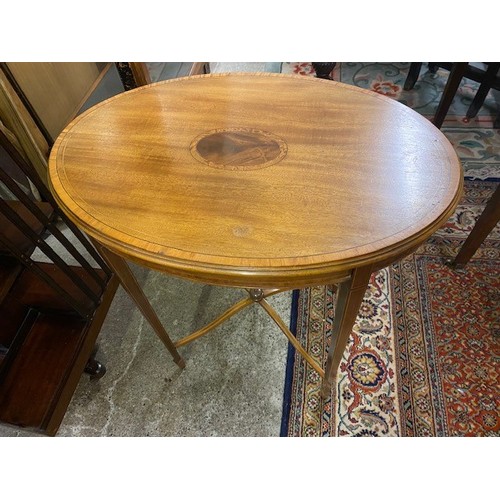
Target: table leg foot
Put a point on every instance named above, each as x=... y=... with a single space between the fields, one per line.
x=326 y=390
x=94 y=368
x=453 y=265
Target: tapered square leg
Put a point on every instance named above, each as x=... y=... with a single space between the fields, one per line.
x=128 y=281
x=350 y=294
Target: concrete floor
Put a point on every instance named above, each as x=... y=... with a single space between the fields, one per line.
x=234 y=378
x=232 y=384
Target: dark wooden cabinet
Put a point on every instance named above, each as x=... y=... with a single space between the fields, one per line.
x=50 y=312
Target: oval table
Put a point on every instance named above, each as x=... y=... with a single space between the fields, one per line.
x=267 y=182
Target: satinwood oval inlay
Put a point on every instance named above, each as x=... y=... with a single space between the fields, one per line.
x=238 y=148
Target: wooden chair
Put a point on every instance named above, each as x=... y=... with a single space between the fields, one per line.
x=489 y=79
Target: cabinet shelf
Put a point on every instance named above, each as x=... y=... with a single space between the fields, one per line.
x=47 y=355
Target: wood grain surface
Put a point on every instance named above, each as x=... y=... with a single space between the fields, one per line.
x=346 y=178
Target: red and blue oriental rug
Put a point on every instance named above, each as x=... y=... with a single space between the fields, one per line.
x=423 y=358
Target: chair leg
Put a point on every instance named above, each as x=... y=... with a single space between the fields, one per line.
x=486 y=222
x=323 y=69
x=433 y=67
x=483 y=90
x=456 y=74
x=412 y=76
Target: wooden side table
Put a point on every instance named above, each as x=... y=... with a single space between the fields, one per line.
x=267 y=182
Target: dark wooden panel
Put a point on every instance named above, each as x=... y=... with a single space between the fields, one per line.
x=32 y=291
x=46 y=358
x=9 y=271
x=13 y=234
x=30 y=383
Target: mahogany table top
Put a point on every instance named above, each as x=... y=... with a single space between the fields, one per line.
x=255 y=179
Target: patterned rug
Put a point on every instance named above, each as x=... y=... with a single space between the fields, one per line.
x=389 y=78
x=423 y=358
x=476 y=142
